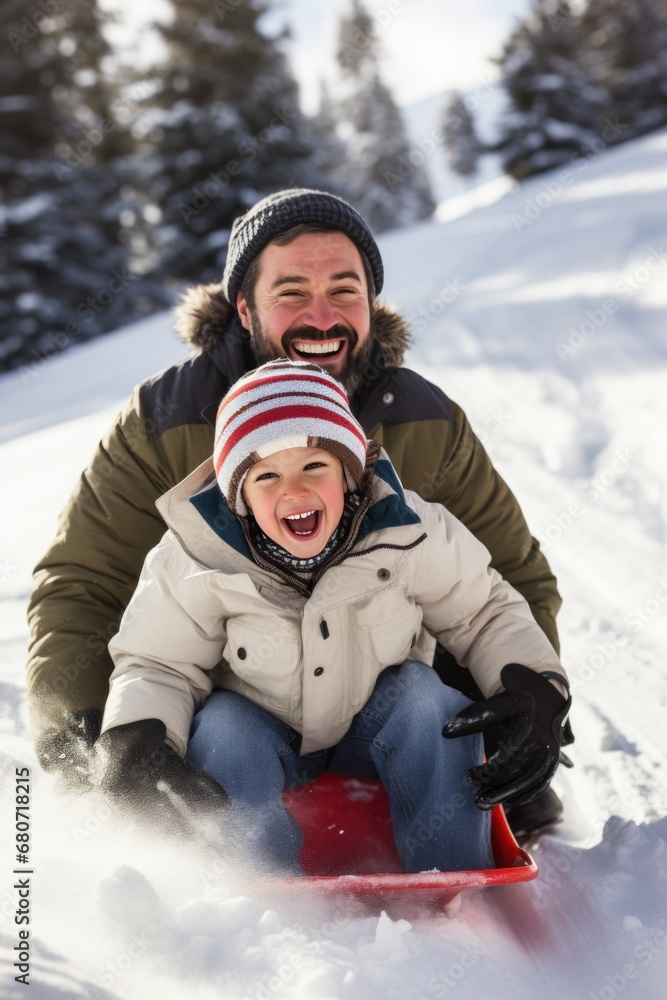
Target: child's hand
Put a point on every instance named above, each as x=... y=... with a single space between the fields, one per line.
x=134 y=763
x=531 y=715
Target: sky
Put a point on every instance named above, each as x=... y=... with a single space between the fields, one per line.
x=429 y=46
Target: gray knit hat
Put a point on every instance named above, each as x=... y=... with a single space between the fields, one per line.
x=281 y=211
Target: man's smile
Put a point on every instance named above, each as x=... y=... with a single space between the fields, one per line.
x=308 y=347
x=326 y=347
x=309 y=343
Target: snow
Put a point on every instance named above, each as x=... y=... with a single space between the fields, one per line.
x=578 y=432
x=24 y=211
x=486 y=103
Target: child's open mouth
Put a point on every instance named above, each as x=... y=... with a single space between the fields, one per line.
x=303 y=525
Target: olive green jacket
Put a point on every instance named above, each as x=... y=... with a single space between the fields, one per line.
x=87 y=577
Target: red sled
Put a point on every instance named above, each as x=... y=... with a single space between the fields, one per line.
x=349 y=848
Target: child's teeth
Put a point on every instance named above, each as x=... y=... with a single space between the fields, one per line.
x=312 y=523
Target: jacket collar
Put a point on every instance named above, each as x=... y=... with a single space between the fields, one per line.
x=232 y=353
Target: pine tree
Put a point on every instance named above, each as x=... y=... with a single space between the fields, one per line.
x=556 y=106
x=386 y=178
x=462 y=145
x=222 y=129
x=626 y=49
x=63 y=262
x=582 y=78
x=331 y=152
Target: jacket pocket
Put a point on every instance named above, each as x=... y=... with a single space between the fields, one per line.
x=393 y=640
x=264 y=659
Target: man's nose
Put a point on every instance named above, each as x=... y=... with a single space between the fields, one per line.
x=321 y=314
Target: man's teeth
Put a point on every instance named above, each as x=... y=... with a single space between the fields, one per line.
x=311 y=348
x=295 y=517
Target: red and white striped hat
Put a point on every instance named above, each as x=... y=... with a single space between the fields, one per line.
x=284 y=404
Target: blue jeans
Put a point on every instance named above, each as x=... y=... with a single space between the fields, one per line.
x=396 y=737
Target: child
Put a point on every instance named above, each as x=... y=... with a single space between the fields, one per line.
x=286 y=622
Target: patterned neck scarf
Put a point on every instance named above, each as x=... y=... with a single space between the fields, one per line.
x=277 y=556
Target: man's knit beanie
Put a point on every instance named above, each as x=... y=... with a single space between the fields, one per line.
x=281 y=211
x=284 y=404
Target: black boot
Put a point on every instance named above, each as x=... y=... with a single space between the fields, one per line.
x=541 y=812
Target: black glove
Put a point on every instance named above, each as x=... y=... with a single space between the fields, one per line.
x=531 y=715
x=68 y=751
x=135 y=765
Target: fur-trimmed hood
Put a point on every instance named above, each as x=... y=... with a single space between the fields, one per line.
x=203 y=315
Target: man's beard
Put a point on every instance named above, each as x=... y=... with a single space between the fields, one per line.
x=352 y=374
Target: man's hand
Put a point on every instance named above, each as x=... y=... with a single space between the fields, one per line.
x=68 y=751
x=134 y=764
x=530 y=714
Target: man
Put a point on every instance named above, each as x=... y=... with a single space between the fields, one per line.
x=301 y=279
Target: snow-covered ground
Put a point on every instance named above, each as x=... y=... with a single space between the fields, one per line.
x=544 y=315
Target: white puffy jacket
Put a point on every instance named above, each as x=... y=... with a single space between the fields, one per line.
x=206 y=616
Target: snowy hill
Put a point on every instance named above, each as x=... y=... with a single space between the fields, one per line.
x=424 y=119
x=544 y=316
